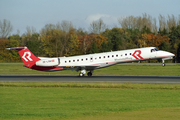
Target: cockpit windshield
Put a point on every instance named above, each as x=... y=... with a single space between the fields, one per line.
x=156 y=49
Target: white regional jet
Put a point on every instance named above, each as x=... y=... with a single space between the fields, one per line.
x=90 y=62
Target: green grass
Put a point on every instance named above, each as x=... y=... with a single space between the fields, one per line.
x=97 y=101
x=81 y=101
x=168 y=70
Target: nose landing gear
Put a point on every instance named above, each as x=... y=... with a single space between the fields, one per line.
x=163 y=64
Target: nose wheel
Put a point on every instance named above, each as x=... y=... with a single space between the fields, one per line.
x=163 y=64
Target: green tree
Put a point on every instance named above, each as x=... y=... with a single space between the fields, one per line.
x=174 y=36
x=52 y=41
x=164 y=46
x=35 y=47
x=114 y=38
x=178 y=54
x=6 y=55
x=104 y=47
x=94 y=48
x=74 y=45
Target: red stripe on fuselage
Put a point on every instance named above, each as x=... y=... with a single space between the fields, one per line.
x=46 y=68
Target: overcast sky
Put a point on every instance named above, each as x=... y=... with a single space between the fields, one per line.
x=38 y=13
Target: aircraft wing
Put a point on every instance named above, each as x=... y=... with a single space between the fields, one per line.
x=81 y=67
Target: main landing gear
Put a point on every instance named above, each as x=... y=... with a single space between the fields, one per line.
x=83 y=72
x=89 y=74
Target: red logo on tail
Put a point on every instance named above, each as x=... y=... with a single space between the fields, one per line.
x=137 y=54
x=26 y=56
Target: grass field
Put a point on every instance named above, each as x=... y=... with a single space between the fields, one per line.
x=168 y=70
x=88 y=101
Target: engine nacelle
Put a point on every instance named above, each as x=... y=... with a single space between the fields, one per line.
x=50 y=62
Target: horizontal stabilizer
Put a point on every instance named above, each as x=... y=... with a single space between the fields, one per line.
x=16 y=48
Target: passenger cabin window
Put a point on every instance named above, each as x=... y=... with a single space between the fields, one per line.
x=86 y=59
x=130 y=54
x=108 y=56
x=73 y=60
x=78 y=60
x=81 y=59
x=104 y=56
x=116 y=55
x=65 y=61
x=69 y=60
x=99 y=57
x=112 y=55
x=126 y=54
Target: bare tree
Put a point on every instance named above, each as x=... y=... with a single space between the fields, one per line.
x=65 y=26
x=162 y=22
x=178 y=22
x=5 y=28
x=171 y=22
x=30 y=31
x=154 y=26
x=97 y=27
x=138 y=22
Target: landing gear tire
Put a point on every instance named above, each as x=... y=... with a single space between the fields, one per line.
x=81 y=74
x=163 y=64
x=89 y=74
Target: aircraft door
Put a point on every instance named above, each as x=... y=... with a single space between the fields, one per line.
x=59 y=61
x=153 y=53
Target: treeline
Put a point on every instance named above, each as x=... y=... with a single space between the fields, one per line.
x=63 y=39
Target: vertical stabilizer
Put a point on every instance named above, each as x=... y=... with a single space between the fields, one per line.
x=27 y=56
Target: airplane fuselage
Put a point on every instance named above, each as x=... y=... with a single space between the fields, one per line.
x=109 y=58
x=90 y=62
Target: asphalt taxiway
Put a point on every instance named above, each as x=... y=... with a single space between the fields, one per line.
x=70 y=78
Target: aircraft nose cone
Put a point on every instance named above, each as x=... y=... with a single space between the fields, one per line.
x=172 y=54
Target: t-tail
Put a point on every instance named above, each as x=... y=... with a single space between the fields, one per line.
x=27 y=56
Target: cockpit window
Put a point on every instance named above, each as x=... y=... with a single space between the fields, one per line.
x=156 y=49
x=152 y=50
